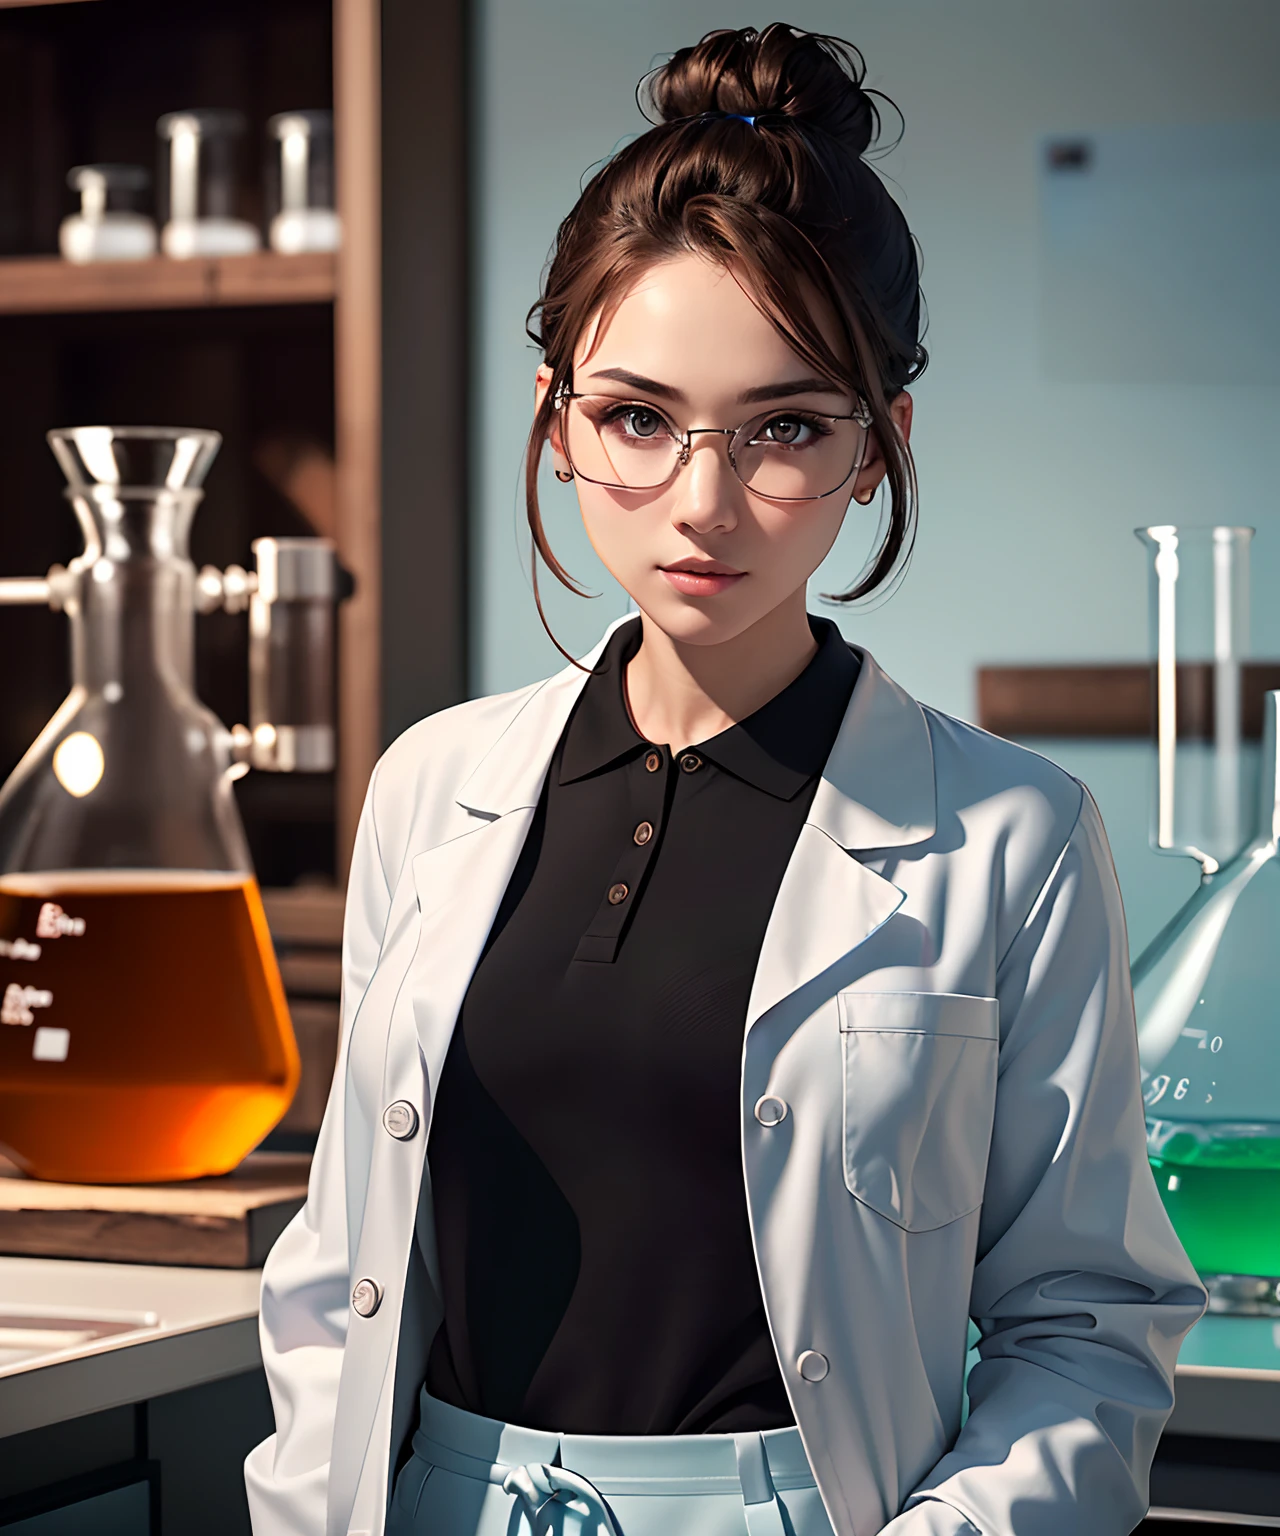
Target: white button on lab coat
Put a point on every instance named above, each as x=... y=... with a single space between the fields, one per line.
x=940 y=1119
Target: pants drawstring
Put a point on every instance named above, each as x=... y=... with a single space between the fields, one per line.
x=536 y=1484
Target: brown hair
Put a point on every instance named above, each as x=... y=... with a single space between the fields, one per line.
x=787 y=201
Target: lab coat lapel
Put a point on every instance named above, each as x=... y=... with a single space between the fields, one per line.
x=827 y=904
x=459 y=887
x=876 y=792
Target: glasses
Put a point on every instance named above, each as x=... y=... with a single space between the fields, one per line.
x=788 y=455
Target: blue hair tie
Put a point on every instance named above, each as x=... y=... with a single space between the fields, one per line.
x=743 y=118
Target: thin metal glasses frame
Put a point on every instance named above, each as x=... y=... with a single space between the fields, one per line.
x=685 y=440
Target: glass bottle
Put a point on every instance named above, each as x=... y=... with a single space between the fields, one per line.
x=199 y=185
x=144 y=1033
x=1205 y=987
x=300 y=180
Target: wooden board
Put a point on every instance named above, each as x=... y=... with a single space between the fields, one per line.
x=47 y=285
x=1114 y=701
x=223 y=1223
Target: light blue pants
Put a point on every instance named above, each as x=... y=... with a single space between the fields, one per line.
x=470 y=1476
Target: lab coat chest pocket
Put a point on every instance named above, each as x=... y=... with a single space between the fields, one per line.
x=919 y=1100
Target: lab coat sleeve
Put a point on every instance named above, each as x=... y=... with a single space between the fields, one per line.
x=1081 y=1291
x=306 y=1279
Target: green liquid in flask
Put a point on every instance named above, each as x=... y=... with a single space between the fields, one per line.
x=1225 y=1204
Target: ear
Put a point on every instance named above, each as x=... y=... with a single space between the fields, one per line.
x=541 y=384
x=872 y=471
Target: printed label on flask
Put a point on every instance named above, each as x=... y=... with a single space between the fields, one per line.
x=53 y=923
x=18 y=1002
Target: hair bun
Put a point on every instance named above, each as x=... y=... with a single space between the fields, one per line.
x=804 y=76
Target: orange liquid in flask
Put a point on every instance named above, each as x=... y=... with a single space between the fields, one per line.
x=144 y=1033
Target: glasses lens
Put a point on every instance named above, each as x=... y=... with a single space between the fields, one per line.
x=797 y=456
x=619 y=442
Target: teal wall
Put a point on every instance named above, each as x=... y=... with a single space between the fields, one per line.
x=1029 y=485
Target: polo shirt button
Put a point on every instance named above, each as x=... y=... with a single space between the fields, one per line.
x=812 y=1366
x=367 y=1297
x=643 y=833
x=770 y=1111
x=617 y=893
x=690 y=762
x=400 y=1120
x=653 y=762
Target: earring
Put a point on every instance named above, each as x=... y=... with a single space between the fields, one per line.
x=564 y=476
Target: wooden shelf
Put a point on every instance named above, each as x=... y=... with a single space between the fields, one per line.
x=47 y=285
x=1109 y=701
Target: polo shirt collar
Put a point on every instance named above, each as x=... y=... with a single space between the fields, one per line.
x=779 y=748
x=600 y=733
x=877 y=788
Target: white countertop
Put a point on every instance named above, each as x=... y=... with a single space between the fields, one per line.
x=170 y=1328
x=1228 y=1381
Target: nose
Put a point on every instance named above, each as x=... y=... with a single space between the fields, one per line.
x=708 y=492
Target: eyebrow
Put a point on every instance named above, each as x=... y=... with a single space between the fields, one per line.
x=781 y=390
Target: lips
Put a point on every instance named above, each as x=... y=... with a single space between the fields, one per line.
x=702 y=568
x=701 y=578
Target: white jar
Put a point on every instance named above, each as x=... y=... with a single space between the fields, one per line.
x=108 y=227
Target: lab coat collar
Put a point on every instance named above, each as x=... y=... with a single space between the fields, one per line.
x=509 y=776
x=877 y=789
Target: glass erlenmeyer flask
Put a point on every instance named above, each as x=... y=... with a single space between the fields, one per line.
x=144 y=1033
x=1205 y=988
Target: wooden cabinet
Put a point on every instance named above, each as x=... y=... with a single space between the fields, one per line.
x=281 y=354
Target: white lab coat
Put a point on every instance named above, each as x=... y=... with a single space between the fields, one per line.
x=942 y=1004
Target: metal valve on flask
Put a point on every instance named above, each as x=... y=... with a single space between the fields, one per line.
x=292 y=599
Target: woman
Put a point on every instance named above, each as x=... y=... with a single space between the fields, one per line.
x=723 y=1029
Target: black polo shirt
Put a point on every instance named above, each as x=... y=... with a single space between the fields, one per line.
x=585 y=1150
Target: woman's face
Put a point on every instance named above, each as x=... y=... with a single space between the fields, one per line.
x=703 y=557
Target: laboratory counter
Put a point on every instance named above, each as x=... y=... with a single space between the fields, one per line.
x=129 y=1397
x=77 y=1337
x=144 y=1382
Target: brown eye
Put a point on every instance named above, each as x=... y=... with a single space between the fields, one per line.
x=790 y=432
